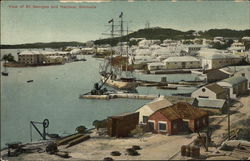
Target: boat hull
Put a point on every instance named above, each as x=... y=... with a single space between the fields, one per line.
x=119 y=84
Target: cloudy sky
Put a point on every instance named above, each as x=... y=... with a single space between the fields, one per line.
x=30 y=23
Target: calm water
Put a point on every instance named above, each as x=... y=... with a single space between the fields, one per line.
x=54 y=95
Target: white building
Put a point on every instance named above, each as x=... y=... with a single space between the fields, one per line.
x=210 y=91
x=148 y=109
x=182 y=62
x=213 y=58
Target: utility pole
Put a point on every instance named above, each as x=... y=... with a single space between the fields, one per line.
x=228 y=117
x=207 y=135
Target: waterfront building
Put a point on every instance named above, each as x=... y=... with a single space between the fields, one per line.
x=244 y=72
x=42 y=57
x=30 y=57
x=213 y=58
x=122 y=125
x=237 y=85
x=182 y=62
x=214 y=75
x=213 y=106
x=211 y=91
x=151 y=107
x=180 y=117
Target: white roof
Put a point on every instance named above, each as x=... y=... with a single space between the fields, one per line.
x=27 y=52
x=180 y=59
x=216 y=54
x=156 y=64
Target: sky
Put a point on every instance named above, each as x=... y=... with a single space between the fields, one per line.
x=28 y=25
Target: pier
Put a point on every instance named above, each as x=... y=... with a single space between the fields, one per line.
x=123 y=95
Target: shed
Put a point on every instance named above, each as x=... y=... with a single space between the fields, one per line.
x=180 y=117
x=213 y=106
x=211 y=91
x=237 y=85
x=148 y=109
x=215 y=75
x=121 y=125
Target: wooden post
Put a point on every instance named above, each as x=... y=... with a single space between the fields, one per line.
x=207 y=135
x=228 y=117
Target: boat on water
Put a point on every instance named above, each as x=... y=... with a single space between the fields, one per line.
x=29 y=81
x=5 y=72
x=113 y=76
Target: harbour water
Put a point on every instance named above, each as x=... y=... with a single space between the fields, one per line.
x=54 y=94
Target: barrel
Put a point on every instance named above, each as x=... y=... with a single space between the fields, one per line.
x=194 y=151
x=183 y=150
x=188 y=151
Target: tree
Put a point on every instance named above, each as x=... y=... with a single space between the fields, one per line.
x=8 y=57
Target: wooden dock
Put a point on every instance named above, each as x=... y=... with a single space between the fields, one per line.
x=123 y=95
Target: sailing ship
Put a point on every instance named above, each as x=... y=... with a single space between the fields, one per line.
x=113 y=76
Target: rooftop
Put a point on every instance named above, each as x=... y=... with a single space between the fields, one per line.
x=182 y=110
x=215 y=88
x=216 y=54
x=234 y=80
x=213 y=103
x=180 y=59
x=158 y=104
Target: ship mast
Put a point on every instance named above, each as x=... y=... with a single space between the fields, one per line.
x=121 y=32
x=112 y=36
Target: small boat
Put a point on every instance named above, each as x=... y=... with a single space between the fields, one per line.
x=29 y=81
x=5 y=73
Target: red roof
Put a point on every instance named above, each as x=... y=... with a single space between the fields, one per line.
x=182 y=110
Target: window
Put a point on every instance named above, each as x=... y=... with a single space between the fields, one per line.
x=203 y=97
x=191 y=62
x=151 y=125
x=203 y=89
x=162 y=126
x=144 y=119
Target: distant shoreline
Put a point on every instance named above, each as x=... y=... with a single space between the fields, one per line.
x=18 y=65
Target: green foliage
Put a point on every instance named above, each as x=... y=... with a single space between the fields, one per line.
x=81 y=129
x=166 y=33
x=9 y=58
x=42 y=45
x=219 y=46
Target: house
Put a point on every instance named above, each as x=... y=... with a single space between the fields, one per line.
x=149 y=108
x=214 y=75
x=214 y=59
x=213 y=106
x=211 y=91
x=121 y=125
x=156 y=66
x=237 y=85
x=182 y=62
x=178 y=118
x=244 y=72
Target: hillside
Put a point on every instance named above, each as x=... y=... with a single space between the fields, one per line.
x=166 y=33
x=42 y=45
x=150 y=33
